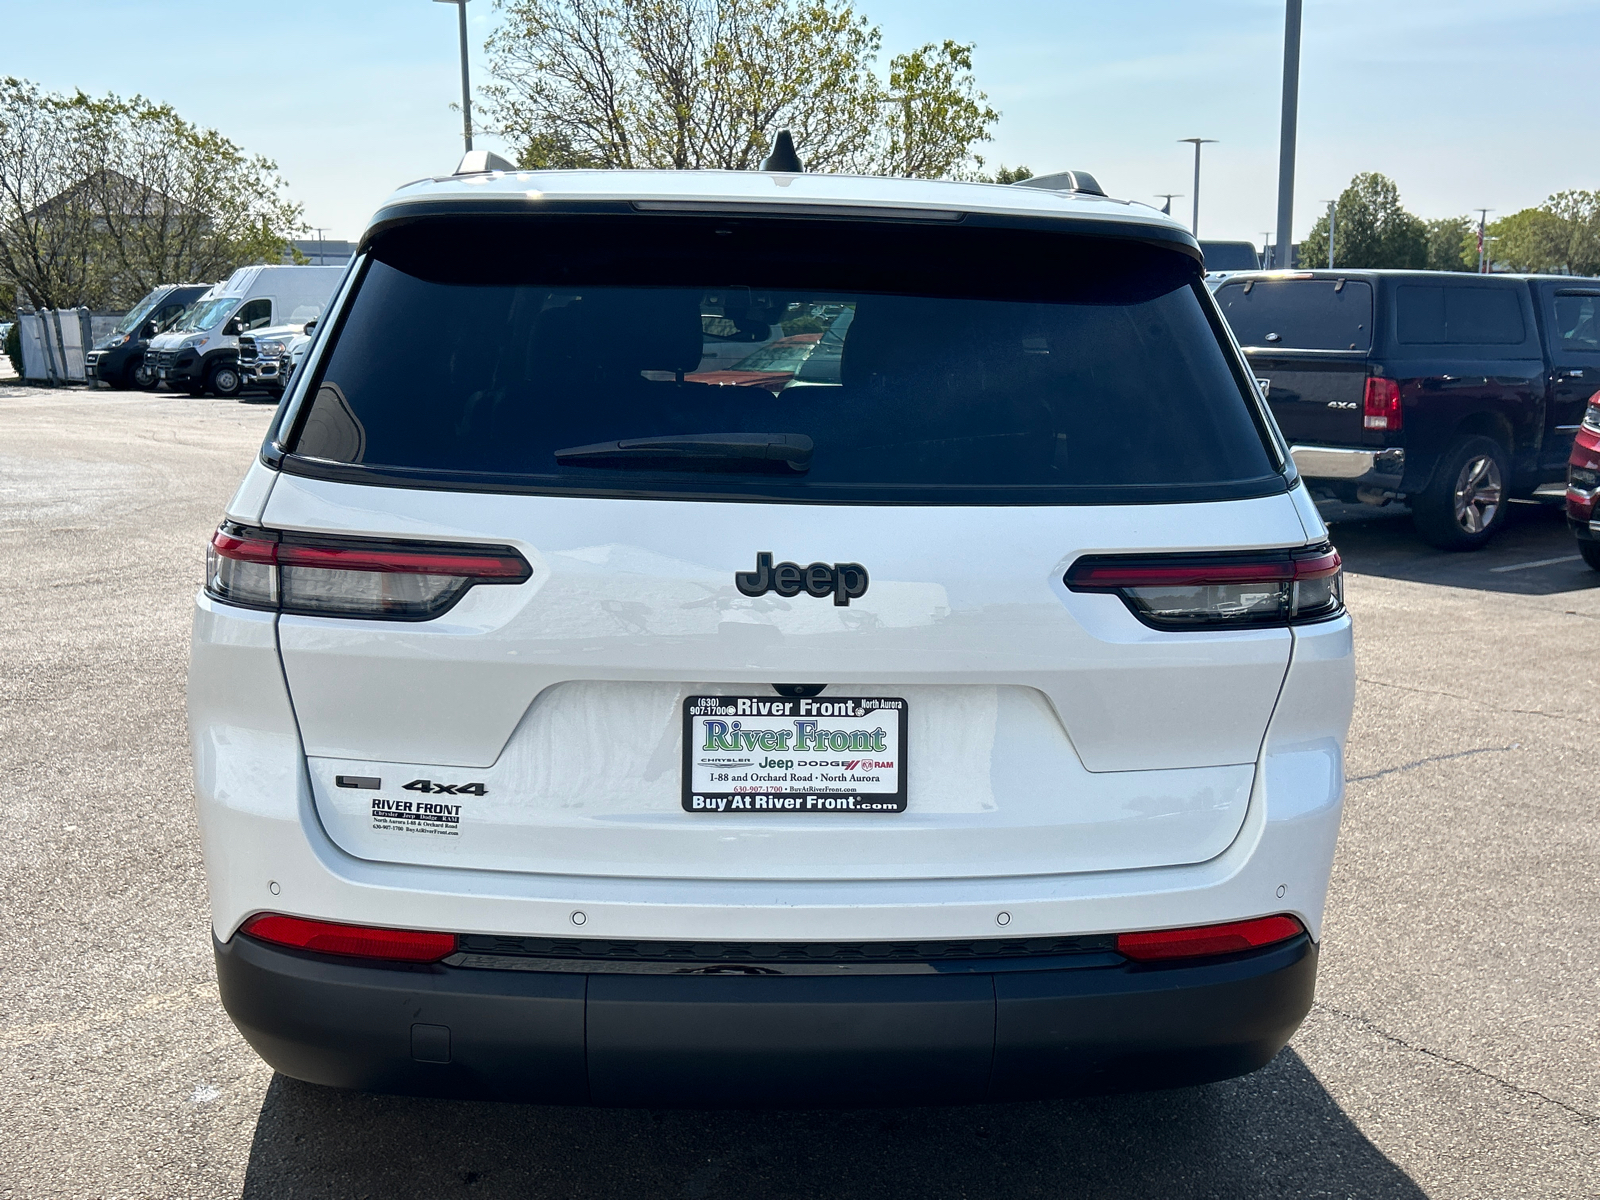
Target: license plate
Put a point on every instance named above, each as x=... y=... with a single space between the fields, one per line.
x=772 y=754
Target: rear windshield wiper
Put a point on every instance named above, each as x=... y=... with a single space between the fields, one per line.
x=697 y=451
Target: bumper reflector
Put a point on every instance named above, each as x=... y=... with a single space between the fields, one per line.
x=357 y=941
x=1200 y=940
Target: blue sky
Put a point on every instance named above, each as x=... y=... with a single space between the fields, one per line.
x=1464 y=103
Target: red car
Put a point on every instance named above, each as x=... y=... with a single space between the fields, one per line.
x=770 y=367
x=1583 y=484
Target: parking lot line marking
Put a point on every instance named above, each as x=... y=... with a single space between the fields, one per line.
x=1542 y=562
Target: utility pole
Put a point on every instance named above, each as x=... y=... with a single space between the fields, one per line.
x=1169 y=197
x=1333 y=209
x=466 y=90
x=1197 y=143
x=1286 y=136
x=1483 y=244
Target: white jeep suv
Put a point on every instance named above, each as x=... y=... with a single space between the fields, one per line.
x=951 y=711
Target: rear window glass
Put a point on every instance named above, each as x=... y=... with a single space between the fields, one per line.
x=909 y=364
x=1458 y=316
x=1299 y=314
x=1230 y=256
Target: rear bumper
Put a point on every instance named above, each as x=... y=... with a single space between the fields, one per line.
x=1376 y=467
x=947 y=1036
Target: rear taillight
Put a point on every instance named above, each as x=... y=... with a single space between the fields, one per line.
x=1380 y=404
x=350 y=577
x=1192 y=591
x=1199 y=941
x=355 y=941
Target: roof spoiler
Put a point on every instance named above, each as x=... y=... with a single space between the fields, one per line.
x=481 y=162
x=1065 y=181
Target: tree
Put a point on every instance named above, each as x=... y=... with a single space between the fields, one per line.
x=708 y=83
x=1452 y=244
x=103 y=198
x=46 y=228
x=936 y=113
x=177 y=202
x=1562 y=235
x=1371 y=229
x=1010 y=175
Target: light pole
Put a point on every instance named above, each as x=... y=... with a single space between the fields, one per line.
x=1197 y=143
x=1291 y=106
x=319 y=231
x=1266 y=246
x=1483 y=242
x=1169 y=197
x=466 y=90
x=1333 y=208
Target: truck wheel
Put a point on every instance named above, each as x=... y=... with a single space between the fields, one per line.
x=1465 y=503
x=224 y=381
x=1591 y=554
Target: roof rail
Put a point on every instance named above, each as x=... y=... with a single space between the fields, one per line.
x=481 y=162
x=1065 y=181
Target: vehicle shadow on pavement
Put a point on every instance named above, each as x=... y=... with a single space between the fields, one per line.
x=1271 y=1134
x=1535 y=555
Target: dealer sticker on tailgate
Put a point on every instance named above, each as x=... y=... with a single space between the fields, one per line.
x=770 y=754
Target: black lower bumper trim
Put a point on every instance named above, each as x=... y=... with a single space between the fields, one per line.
x=743 y=1041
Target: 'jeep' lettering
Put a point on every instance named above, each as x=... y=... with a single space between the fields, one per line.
x=843 y=581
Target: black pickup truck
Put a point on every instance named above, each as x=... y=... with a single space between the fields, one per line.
x=1451 y=392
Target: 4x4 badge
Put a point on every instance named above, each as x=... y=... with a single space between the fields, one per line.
x=845 y=581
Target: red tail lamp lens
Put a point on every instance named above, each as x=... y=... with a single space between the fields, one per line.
x=1380 y=405
x=1201 y=940
x=1196 y=591
x=317 y=575
x=357 y=941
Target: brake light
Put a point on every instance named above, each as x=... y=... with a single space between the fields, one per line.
x=1380 y=404
x=1201 y=940
x=1189 y=591
x=356 y=941
x=350 y=577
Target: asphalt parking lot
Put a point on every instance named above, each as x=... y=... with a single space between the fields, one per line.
x=1454 y=1049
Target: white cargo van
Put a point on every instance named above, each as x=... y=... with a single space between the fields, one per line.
x=201 y=352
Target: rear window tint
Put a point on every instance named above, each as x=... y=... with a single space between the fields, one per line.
x=1299 y=314
x=1577 y=322
x=1458 y=316
x=922 y=365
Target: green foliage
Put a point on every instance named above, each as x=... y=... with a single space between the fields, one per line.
x=1562 y=235
x=1008 y=175
x=14 y=346
x=1371 y=229
x=936 y=112
x=103 y=198
x=708 y=83
x=1452 y=244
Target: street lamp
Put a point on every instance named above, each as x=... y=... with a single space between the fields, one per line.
x=1168 y=197
x=466 y=90
x=1283 y=252
x=1333 y=211
x=1197 y=143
